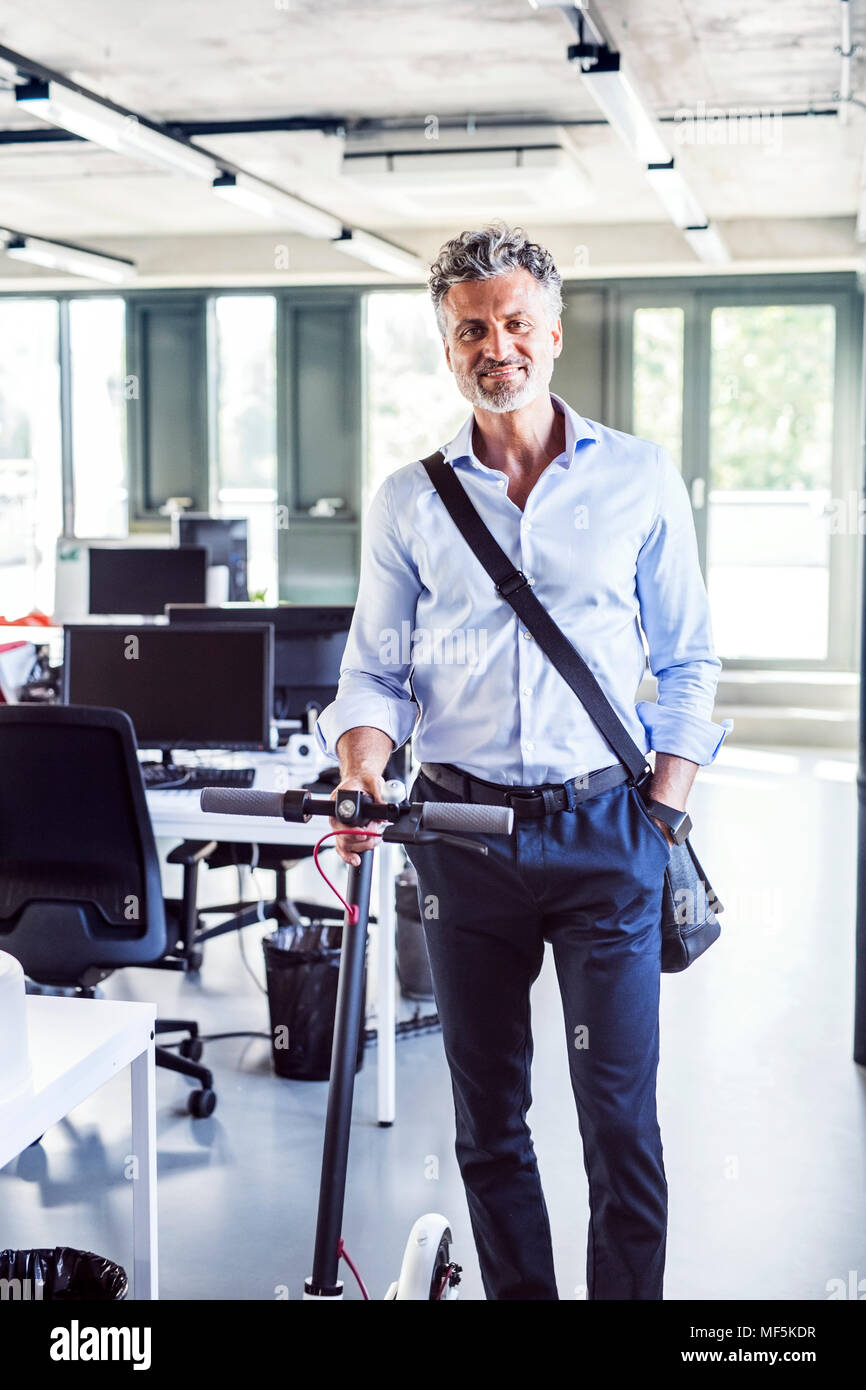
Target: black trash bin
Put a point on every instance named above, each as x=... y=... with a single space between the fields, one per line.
x=61 y=1275
x=302 y=997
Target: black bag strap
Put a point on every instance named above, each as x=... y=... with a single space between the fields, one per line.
x=513 y=586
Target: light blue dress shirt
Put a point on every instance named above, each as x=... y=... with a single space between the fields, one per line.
x=608 y=541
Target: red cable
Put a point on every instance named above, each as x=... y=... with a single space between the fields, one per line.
x=351 y=911
x=341 y=1249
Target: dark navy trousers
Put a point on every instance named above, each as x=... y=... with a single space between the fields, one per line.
x=589 y=881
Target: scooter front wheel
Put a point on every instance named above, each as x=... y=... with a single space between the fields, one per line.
x=427 y=1271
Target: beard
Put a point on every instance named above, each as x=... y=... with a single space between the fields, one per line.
x=500 y=397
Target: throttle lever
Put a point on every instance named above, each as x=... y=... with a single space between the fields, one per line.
x=409 y=831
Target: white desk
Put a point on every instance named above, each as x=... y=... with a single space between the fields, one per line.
x=178 y=814
x=76 y=1045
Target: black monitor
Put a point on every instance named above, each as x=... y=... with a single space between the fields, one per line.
x=226 y=543
x=182 y=687
x=309 y=641
x=142 y=581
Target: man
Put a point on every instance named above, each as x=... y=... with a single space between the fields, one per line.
x=600 y=523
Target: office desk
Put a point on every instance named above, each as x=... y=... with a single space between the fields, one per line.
x=75 y=1046
x=178 y=814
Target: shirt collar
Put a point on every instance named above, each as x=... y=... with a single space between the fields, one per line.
x=460 y=450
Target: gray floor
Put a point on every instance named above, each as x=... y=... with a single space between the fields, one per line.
x=763 y=1111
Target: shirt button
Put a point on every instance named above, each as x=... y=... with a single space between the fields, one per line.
x=529 y=745
x=527 y=525
x=527 y=690
x=530 y=579
x=528 y=636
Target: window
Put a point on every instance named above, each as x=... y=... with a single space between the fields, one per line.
x=30 y=461
x=771 y=448
x=657 y=378
x=753 y=390
x=413 y=405
x=246 y=431
x=96 y=340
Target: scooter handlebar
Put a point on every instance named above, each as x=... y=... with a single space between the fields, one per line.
x=231 y=801
x=446 y=816
x=460 y=817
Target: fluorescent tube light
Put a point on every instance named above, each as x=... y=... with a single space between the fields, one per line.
x=707 y=244
x=273 y=203
x=114 y=130
x=138 y=139
x=381 y=254
x=73 y=259
x=624 y=109
x=675 y=195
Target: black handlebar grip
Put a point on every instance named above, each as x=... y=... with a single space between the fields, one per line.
x=231 y=801
x=458 y=816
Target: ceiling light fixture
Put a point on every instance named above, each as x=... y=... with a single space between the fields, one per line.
x=115 y=130
x=707 y=244
x=54 y=98
x=273 y=203
x=675 y=195
x=615 y=94
x=620 y=102
x=76 y=260
x=381 y=254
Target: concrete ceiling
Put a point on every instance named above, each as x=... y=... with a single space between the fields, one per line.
x=404 y=61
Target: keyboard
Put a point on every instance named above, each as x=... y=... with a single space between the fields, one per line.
x=194 y=779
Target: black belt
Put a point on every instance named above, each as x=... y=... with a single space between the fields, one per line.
x=525 y=801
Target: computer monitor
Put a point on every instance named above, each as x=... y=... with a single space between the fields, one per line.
x=182 y=687
x=226 y=541
x=309 y=641
x=143 y=580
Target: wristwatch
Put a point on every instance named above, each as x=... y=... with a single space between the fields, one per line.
x=680 y=822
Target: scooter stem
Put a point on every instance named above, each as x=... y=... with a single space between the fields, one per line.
x=324 y=1283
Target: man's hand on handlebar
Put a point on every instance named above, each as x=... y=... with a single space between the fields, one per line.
x=348 y=844
x=360 y=751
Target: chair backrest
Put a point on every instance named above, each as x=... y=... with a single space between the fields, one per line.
x=80 y=889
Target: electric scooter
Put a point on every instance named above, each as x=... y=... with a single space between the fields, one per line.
x=428 y=1270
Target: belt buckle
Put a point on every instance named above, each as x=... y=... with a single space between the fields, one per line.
x=528 y=794
x=546 y=796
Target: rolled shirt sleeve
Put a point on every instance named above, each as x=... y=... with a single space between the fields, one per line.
x=374 y=689
x=675 y=616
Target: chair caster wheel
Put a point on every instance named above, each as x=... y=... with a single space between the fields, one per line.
x=191 y=1048
x=201 y=1104
x=193 y=961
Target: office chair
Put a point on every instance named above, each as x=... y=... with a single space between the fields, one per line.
x=80 y=888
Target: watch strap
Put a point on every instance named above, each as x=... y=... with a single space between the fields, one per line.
x=680 y=822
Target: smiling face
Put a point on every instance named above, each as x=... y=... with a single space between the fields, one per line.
x=500 y=340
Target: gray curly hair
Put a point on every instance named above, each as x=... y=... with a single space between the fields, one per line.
x=493 y=250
